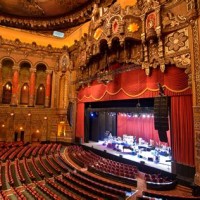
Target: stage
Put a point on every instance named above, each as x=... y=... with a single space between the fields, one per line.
x=144 y=157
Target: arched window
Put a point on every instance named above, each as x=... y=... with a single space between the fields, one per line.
x=24 y=94
x=40 y=95
x=7 y=93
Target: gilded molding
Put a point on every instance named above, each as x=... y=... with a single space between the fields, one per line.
x=196 y=50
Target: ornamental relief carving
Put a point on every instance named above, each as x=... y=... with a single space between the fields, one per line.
x=176 y=41
x=141 y=34
x=196 y=50
x=170 y=20
x=32 y=49
x=147 y=6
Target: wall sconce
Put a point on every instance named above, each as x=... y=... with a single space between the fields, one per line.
x=12 y=114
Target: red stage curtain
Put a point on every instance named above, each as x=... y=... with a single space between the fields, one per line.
x=141 y=127
x=80 y=120
x=135 y=84
x=182 y=129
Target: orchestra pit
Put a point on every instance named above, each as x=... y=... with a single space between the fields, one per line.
x=99 y=99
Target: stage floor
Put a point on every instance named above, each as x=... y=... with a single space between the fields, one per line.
x=163 y=164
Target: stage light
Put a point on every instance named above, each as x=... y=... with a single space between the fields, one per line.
x=148 y=116
x=143 y=115
x=93 y=114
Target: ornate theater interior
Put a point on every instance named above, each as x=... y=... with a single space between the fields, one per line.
x=100 y=99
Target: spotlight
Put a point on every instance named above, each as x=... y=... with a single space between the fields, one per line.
x=93 y=114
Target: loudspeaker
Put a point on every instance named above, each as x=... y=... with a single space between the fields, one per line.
x=161 y=123
x=150 y=159
x=162 y=136
x=161 y=113
x=161 y=106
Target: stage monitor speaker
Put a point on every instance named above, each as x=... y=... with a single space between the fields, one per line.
x=162 y=136
x=150 y=159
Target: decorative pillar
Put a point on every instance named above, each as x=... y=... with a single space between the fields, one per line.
x=31 y=99
x=48 y=88
x=196 y=96
x=1 y=83
x=15 y=85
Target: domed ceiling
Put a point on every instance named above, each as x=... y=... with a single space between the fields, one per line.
x=46 y=15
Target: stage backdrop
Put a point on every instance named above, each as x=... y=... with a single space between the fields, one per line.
x=141 y=127
x=135 y=84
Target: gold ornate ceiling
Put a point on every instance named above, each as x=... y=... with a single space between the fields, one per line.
x=46 y=15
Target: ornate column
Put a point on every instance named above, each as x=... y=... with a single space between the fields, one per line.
x=196 y=96
x=15 y=85
x=1 y=83
x=48 y=88
x=31 y=99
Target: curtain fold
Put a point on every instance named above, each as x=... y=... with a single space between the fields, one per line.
x=182 y=129
x=141 y=127
x=135 y=84
x=80 y=120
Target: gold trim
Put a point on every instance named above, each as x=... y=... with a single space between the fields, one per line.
x=129 y=95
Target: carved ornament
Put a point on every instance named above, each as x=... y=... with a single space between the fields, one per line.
x=176 y=41
x=65 y=63
x=170 y=20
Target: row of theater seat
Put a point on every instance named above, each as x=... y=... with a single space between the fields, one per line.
x=157 y=196
x=87 y=158
x=48 y=192
x=76 y=184
x=116 y=170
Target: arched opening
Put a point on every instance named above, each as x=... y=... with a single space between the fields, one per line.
x=24 y=82
x=40 y=82
x=24 y=94
x=40 y=95
x=7 y=93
